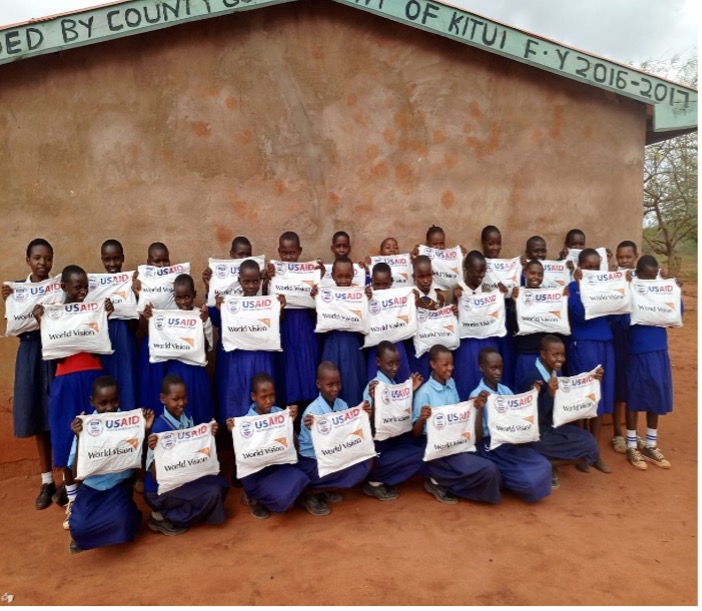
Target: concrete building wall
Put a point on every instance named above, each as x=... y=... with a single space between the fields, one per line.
x=310 y=117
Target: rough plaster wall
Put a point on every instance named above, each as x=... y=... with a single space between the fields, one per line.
x=310 y=117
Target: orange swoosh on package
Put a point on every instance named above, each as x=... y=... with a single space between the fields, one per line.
x=358 y=432
x=189 y=340
x=404 y=319
x=309 y=283
x=121 y=294
x=265 y=321
x=670 y=305
x=283 y=441
x=454 y=270
x=93 y=325
x=405 y=275
x=495 y=314
x=466 y=435
x=408 y=410
x=133 y=442
x=449 y=327
x=592 y=397
x=621 y=291
x=205 y=451
x=529 y=419
x=358 y=313
x=555 y=313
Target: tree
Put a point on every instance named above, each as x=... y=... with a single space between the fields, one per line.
x=670 y=179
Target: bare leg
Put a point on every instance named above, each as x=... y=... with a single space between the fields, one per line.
x=44 y=451
x=652 y=420
x=632 y=419
x=617 y=417
x=68 y=476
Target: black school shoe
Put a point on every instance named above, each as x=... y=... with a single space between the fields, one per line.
x=43 y=500
x=165 y=526
x=257 y=510
x=314 y=504
x=73 y=548
x=60 y=497
x=440 y=493
x=382 y=492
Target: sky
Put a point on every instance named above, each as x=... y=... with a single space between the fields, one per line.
x=623 y=30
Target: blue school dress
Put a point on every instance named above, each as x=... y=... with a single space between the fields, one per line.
x=567 y=442
x=201 y=500
x=467 y=474
x=398 y=458
x=122 y=364
x=296 y=365
x=620 y=343
x=523 y=470
x=276 y=487
x=508 y=350
x=417 y=364
x=221 y=380
x=69 y=396
x=403 y=373
x=591 y=345
x=648 y=374
x=104 y=511
x=33 y=377
x=150 y=377
x=198 y=387
x=243 y=366
x=343 y=348
x=346 y=478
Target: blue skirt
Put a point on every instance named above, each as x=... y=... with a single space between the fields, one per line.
x=403 y=373
x=584 y=355
x=523 y=366
x=33 y=376
x=296 y=365
x=399 y=458
x=243 y=366
x=620 y=342
x=343 y=348
x=466 y=372
x=467 y=475
x=221 y=381
x=150 y=377
x=104 y=517
x=198 y=387
x=276 y=487
x=419 y=365
x=649 y=382
x=122 y=365
x=346 y=478
x=523 y=470
x=70 y=395
x=567 y=442
x=201 y=500
x=509 y=356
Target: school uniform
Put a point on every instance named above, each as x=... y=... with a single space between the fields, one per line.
x=620 y=343
x=277 y=486
x=221 y=379
x=421 y=364
x=467 y=474
x=201 y=500
x=343 y=348
x=104 y=511
x=403 y=372
x=590 y=345
x=150 y=377
x=567 y=442
x=523 y=470
x=69 y=396
x=122 y=364
x=346 y=478
x=398 y=458
x=243 y=366
x=466 y=371
x=648 y=374
x=296 y=365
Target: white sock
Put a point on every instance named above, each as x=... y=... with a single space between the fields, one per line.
x=47 y=478
x=375 y=484
x=71 y=491
x=433 y=481
x=630 y=439
x=156 y=515
x=651 y=438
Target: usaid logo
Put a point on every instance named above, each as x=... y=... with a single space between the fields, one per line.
x=149 y=272
x=326 y=295
x=467 y=304
x=221 y=271
x=168 y=441
x=565 y=385
x=439 y=421
x=528 y=298
x=641 y=289
x=374 y=306
x=385 y=396
x=233 y=306
x=92 y=283
x=54 y=314
x=500 y=405
x=20 y=295
x=94 y=427
x=159 y=322
x=422 y=314
x=246 y=429
x=280 y=268
x=591 y=280
x=323 y=426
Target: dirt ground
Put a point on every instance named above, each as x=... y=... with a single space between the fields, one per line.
x=629 y=538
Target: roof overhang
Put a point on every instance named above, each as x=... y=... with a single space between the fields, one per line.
x=674 y=105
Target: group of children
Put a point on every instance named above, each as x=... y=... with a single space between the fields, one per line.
x=316 y=374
